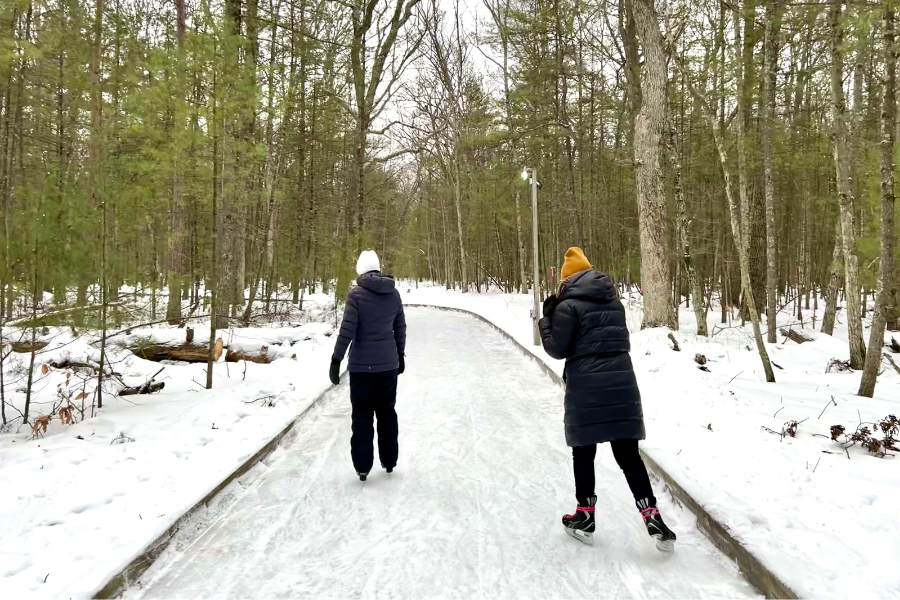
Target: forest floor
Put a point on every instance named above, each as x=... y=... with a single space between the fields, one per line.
x=86 y=498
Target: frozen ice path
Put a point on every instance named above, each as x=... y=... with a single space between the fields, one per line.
x=471 y=512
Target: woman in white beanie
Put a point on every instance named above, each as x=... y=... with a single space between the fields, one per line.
x=374 y=328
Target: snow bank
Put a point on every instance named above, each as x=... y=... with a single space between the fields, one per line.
x=77 y=505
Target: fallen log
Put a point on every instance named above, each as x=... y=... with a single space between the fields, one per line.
x=262 y=358
x=148 y=388
x=87 y=367
x=191 y=353
x=891 y=361
x=795 y=336
x=836 y=365
x=27 y=347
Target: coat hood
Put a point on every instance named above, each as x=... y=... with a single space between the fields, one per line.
x=376 y=282
x=590 y=285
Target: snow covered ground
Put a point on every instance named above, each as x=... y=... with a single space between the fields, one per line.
x=471 y=512
x=825 y=523
x=78 y=504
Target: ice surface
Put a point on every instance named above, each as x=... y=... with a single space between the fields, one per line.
x=471 y=512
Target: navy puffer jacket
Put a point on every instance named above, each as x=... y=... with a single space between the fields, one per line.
x=588 y=329
x=374 y=326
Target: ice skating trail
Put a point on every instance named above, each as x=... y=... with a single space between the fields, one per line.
x=472 y=510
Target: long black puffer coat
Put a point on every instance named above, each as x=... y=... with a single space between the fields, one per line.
x=374 y=326
x=587 y=328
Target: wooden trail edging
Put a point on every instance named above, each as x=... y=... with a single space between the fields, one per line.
x=753 y=569
x=134 y=569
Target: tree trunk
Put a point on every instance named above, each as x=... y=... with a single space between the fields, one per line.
x=520 y=244
x=685 y=234
x=888 y=234
x=178 y=214
x=835 y=276
x=844 y=183
x=96 y=184
x=649 y=125
x=212 y=282
x=774 y=10
x=457 y=201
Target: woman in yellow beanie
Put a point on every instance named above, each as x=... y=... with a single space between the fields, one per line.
x=586 y=326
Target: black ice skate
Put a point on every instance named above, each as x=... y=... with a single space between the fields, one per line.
x=581 y=525
x=656 y=527
x=362 y=476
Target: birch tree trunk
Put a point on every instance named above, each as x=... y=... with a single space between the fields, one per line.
x=649 y=125
x=740 y=228
x=888 y=135
x=843 y=181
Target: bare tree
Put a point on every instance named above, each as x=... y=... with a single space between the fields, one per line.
x=375 y=79
x=740 y=221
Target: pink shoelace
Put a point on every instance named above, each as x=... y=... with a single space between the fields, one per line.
x=649 y=513
x=584 y=509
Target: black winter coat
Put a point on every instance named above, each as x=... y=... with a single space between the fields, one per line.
x=587 y=328
x=374 y=324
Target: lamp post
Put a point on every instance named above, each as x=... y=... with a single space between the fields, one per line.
x=530 y=175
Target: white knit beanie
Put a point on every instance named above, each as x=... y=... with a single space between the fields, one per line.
x=368 y=261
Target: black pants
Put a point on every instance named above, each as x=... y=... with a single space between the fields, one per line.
x=373 y=395
x=629 y=460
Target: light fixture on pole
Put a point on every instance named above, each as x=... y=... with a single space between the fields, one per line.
x=530 y=175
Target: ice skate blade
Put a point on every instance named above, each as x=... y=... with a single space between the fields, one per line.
x=585 y=537
x=667 y=546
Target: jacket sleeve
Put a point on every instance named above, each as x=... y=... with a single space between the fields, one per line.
x=348 y=329
x=558 y=331
x=400 y=331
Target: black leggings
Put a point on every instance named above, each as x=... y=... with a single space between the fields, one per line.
x=629 y=460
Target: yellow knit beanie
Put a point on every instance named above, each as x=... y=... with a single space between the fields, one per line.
x=575 y=262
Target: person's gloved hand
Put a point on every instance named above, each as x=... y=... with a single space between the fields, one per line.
x=550 y=304
x=402 y=365
x=334 y=373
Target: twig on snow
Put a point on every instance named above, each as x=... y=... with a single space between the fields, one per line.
x=827 y=404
